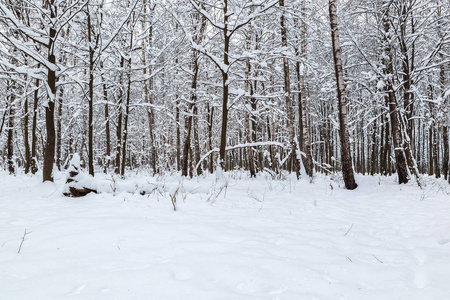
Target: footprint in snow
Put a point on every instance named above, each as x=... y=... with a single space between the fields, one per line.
x=443 y=241
x=420 y=277
x=78 y=290
x=420 y=256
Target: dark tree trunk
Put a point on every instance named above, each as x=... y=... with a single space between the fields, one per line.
x=127 y=112
x=382 y=148
x=210 y=137
x=346 y=157
x=430 y=152
x=225 y=83
x=107 y=125
x=373 y=167
x=288 y=100
x=248 y=115
x=197 y=142
x=177 y=121
x=186 y=147
x=187 y=142
x=58 y=129
x=437 y=169
x=33 y=162
x=445 y=158
x=26 y=137
x=91 y=97
x=10 y=139
x=391 y=101
x=119 y=120
x=49 y=154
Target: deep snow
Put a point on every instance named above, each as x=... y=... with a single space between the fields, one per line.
x=230 y=238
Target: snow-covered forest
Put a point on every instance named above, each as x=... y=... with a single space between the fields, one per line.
x=224 y=149
x=183 y=85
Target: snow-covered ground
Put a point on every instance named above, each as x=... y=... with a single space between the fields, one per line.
x=232 y=238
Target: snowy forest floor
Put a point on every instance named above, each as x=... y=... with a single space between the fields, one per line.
x=230 y=238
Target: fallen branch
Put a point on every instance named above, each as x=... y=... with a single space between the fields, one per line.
x=23 y=239
x=349 y=230
x=174 y=199
x=377 y=258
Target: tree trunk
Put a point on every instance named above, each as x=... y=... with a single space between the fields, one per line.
x=248 y=114
x=225 y=83
x=210 y=126
x=26 y=137
x=177 y=121
x=10 y=139
x=437 y=169
x=308 y=163
x=391 y=101
x=346 y=157
x=442 y=80
x=33 y=162
x=107 y=125
x=119 y=119
x=197 y=142
x=58 y=129
x=149 y=98
x=187 y=144
x=127 y=111
x=373 y=166
x=430 y=151
x=91 y=97
x=49 y=154
x=288 y=100
x=445 y=158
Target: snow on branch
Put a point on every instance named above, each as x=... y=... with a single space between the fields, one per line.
x=199 y=9
x=34 y=34
x=30 y=52
x=114 y=35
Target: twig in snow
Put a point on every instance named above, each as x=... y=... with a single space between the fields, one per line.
x=174 y=199
x=349 y=230
x=23 y=239
x=349 y=259
x=377 y=258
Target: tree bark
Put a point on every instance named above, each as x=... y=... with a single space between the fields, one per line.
x=192 y=120
x=391 y=101
x=107 y=124
x=10 y=139
x=58 y=129
x=26 y=137
x=445 y=158
x=210 y=136
x=446 y=102
x=49 y=154
x=225 y=83
x=248 y=115
x=148 y=90
x=288 y=100
x=91 y=96
x=119 y=119
x=346 y=157
x=308 y=162
x=33 y=162
x=127 y=110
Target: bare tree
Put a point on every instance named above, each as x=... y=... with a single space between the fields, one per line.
x=346 y=157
